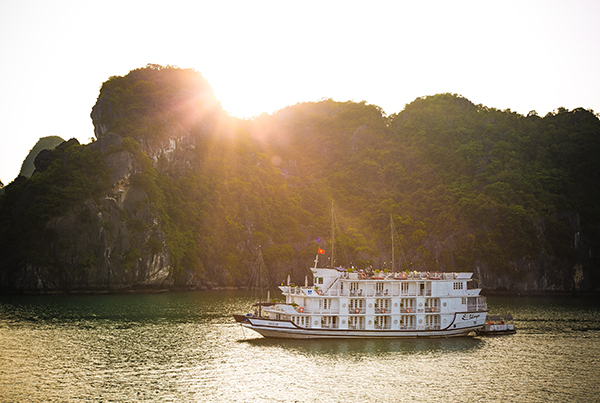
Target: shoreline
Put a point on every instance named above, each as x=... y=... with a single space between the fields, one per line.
x=484 y=292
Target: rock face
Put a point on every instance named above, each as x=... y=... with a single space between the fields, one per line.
x=116 y=242
x=186 y=198
x=98 y=251
x=113 y=243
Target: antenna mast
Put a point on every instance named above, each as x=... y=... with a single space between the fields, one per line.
x=332 y=237
x=392 y=229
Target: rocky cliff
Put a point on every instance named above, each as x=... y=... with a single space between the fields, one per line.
x=175 y=194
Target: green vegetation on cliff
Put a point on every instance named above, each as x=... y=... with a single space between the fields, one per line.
x=467 y=186
x=74 y=174
x=45 y=143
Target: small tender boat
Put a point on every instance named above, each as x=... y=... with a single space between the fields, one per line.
x=497 y=325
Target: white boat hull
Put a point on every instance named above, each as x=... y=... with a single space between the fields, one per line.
x=288 y=330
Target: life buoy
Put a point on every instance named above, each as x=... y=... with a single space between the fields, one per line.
x=357 y=310
x=428 y=274
x=382 y=310
x=408 y=310
x=432 y=309
x=320 y=292
x=301 y=309
x=403 y=275
x=363 y=275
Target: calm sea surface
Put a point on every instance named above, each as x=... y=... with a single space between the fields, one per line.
x=187 y=347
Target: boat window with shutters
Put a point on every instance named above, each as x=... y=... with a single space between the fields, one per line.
x=404 y=288
x=382 y=304
x=356 y=304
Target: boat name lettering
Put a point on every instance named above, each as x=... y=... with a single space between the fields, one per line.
x=469 y=316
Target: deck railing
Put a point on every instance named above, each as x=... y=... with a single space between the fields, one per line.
x=364 y=294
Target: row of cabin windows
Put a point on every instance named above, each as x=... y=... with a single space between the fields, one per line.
x=380 y=287
x=386 y=303
x=358 y=322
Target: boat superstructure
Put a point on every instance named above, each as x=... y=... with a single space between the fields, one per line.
x=355 y=304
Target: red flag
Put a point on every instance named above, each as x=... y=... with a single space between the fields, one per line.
x=321 y=251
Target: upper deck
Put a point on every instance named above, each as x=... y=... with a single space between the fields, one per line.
x=336 y=283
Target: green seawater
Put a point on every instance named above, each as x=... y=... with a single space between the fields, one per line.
x=186 y=347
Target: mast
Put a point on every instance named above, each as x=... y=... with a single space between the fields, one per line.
x=332 y=237
x=260 y=285
x=392 y=229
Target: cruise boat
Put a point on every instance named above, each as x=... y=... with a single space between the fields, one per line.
x=355 y=304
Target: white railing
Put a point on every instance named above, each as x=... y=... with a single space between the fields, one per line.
x=324 y=312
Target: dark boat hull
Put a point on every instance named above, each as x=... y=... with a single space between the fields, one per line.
x=241 y=318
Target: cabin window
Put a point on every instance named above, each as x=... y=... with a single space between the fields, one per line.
x=356 y=322
x=326 y=304
x=379 y=288
x=382 y=322
x=303 y=321
x=432 y=321
x=404 y=288
x=407 y=322
x=356 y=304
x=318 y=280
x=329 y=321
x=458 y=285
x=382 y=304
x=464 y=301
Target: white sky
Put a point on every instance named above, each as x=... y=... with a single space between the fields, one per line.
x=260 y=56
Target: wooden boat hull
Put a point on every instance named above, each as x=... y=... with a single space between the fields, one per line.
x=481 y=332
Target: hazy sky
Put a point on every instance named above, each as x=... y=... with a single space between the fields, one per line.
x=260 y=56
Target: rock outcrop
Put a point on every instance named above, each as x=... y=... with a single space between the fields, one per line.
x=174 y=194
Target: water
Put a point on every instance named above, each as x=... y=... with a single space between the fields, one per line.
x=186 y=347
